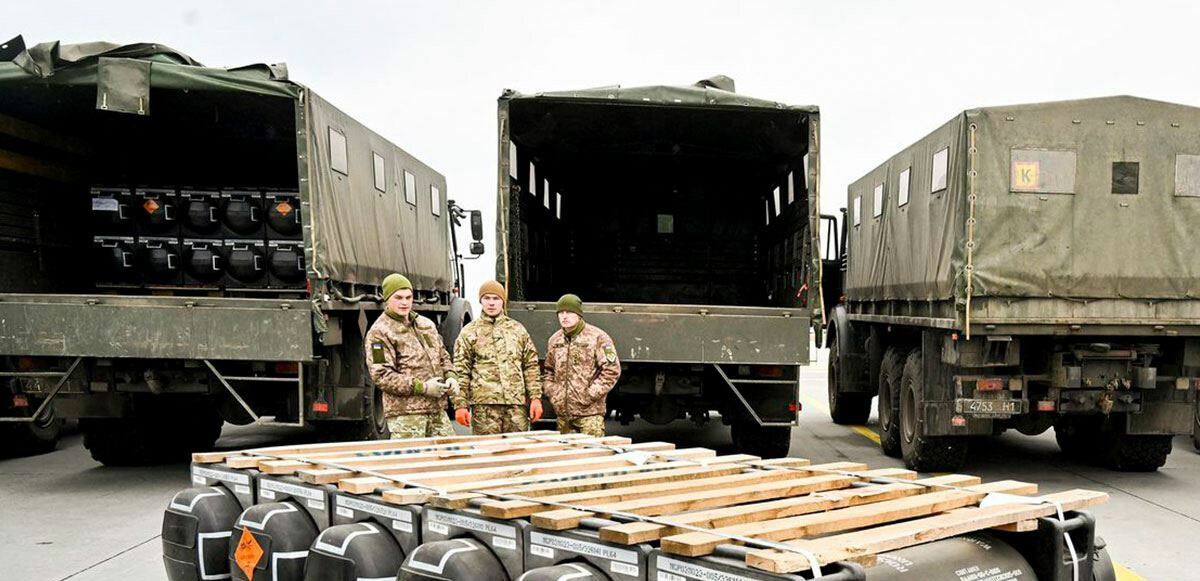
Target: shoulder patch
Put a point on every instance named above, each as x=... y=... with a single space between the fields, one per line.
x=377 y=355
x=610 y=352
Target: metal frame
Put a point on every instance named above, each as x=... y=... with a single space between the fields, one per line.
x=758 y=420
x=225 y=379
x=63 y=376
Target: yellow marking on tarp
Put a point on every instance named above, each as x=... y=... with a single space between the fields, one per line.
x=1025 y=175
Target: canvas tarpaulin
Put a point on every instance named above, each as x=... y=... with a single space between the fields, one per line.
x=1065 y=234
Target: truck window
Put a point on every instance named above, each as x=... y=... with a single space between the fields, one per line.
x=558 y=205
x=941 y=161
x=380 y=172
x=776 y=195
x=435 y=200
x=546 y=193
x=1187 y=175
x=857 y=210
x=1042 y=171
x=1125 y=177
x=791 y=188
x=338 y=159
x=902 y=187
x=767 y=208
x=878 y=200
x=512 y=159
x=532 y=179
x=410 y=188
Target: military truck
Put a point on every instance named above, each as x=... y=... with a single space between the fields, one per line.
x=684 y=216
x=1026 y=267
x=182 y=246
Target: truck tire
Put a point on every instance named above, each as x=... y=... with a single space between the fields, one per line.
x=891 y=370
x=762 y=441
x=847 y=409
x=371 y=427
x=1135 y=453
x=456 y=318
x=157 y=431
x=121 y=441
x=920 y=452
x=1077 y=436
x=36 y=437
x=1196 y=426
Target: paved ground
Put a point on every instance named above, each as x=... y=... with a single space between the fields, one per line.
x=63 y=516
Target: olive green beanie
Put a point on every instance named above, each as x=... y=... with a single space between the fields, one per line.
x=570 y=303
x=394 y=282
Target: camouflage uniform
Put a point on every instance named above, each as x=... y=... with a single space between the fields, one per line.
x=581 y=368
x=498 y=373
x=402 y=354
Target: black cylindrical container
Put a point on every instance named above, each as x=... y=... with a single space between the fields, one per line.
x=285 y=262
x=242 y=214
x=159 y=260
x=203 y=261
x=157 y=211
x=111 y=213
x=196 y=533
x=461 y=558
x=351 y=552
x=114 y=260
x=199 y=211
x=246 y=263
x=283 y=215
x=271 y=541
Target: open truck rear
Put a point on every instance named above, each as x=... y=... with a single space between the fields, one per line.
x=1027 y=267
x=183 y=245
x=685 y=219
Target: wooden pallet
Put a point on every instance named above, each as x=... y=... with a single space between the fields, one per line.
x=691 y=500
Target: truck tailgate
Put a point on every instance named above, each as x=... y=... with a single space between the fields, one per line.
x=155 y=327
x=685 y=333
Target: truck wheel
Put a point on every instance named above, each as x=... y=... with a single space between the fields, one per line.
x=456 y=318
x=1130 y=453
x=36 y=437
x=890 y=372
x=847 y=409
x=920 y=452
x=762 y=441
x=120 y=441
x=372 y=427
x=1076 y=436
x=1196 y=426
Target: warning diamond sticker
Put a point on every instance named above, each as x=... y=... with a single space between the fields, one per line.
x=151 y=206
x=247 y=554
x=283 y=208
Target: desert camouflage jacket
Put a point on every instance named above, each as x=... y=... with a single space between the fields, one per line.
x=402 y=355
x=496 y=363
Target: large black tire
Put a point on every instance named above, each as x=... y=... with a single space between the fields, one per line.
x=37 y=437
x=457 y=317
x=891 y=371
x=1196 y=425
x=1129 y=453
x=371 y=427
x=160 y=429
x=921 y=452
x=762 y=441
x=847 y=409
x=1078 y=436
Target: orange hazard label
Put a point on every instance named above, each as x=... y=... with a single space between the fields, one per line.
x=283 y=208
x=248 y=553
x=151 y=206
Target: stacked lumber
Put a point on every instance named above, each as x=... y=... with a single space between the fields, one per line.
x=789 y=511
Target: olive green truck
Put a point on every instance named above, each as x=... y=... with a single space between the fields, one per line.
x=685 y=217
x=1026 y=267
x=183 y=246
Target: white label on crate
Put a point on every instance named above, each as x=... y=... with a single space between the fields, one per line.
x=222 y=476
x=343 y=511
x=673 y=570
x=623 y=568
x=504 y=543
x=391 y=512
x=241 y=489
x=474 y=524
x=292 y=489
x=264 y=493
x=541 y=551
x=316 y=504
x=105 y=205
x=440 y=529
x=584 y=548
x=402 y=526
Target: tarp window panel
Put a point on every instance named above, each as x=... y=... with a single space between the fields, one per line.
x=546 y=193
x=380 y=171
x=791 y=185
x=1187 y=175
x=410 y=188
x=339 y=160
x=1042 y=171
x=435 y=200
x=902 y=188
x=941 y=163
x=857 y=210
x=776 y=195
x=532 y=179
x=512 y=159
x=1125 y=177
x=878 y=200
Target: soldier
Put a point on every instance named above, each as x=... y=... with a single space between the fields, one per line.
x=409 y=362
x=581 y=368
x=498 y=366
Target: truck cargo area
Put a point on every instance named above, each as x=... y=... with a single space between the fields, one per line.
x=657 y=204
x=56 y=146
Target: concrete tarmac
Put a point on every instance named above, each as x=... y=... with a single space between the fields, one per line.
x=64 y=516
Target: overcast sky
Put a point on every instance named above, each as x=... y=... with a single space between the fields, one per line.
x=426 y=74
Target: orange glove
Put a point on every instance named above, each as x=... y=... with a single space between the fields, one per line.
x=535 y=410
x=463 y=416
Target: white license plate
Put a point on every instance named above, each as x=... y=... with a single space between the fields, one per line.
x=990 y=406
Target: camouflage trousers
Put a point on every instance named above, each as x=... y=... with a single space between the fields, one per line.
x=499 y=419
x=408 y=426
x=590 y=425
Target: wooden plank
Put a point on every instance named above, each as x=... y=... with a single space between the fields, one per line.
x=298 y=461
x=696 y=544
x=367 y=445
x=865 y=544
x=640 y=532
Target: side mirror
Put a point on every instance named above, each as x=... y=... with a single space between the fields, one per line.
x=477 y=248
x=476 y=228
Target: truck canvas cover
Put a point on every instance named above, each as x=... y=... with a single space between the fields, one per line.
x=354 y=232
x=1074 y=200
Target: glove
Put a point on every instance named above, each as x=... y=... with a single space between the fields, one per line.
x=432 y=387
x=535 y=410
x=452 y=385
x=463 y=417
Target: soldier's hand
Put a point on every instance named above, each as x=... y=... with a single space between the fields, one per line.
x=452 y=384
x=535 y=410
x=434 y=387
x=463 y=417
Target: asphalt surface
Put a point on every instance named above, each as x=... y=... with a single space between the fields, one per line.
x=64 y=516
